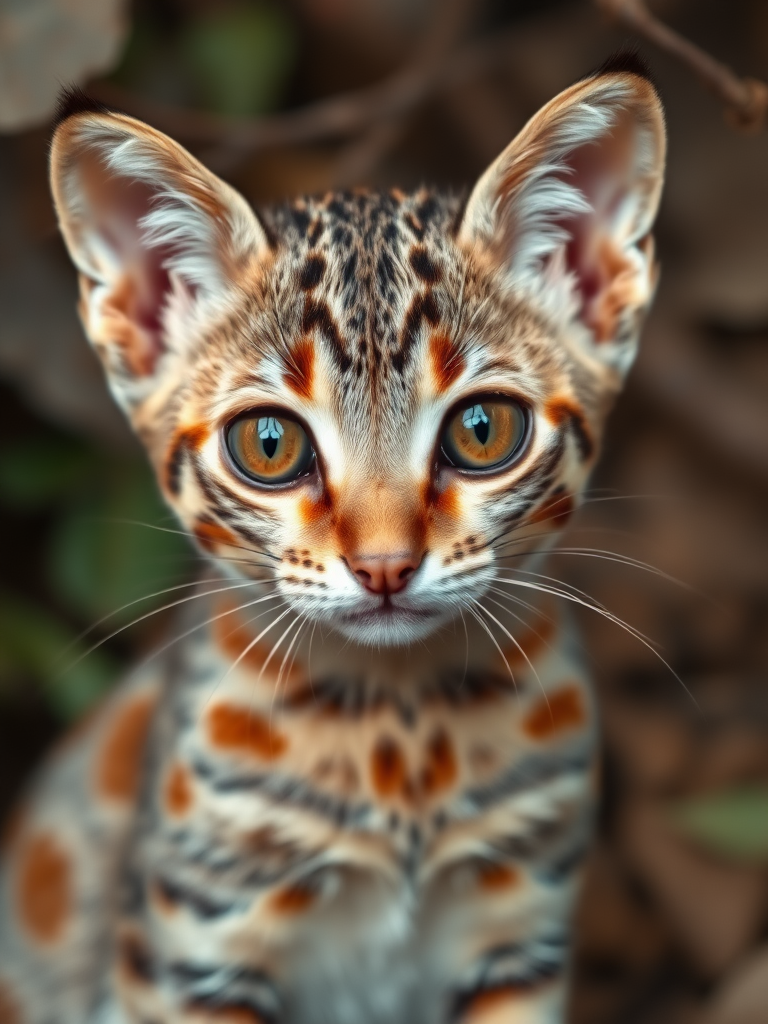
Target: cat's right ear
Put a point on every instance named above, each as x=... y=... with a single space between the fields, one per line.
x=159 y=241
x=565 y=212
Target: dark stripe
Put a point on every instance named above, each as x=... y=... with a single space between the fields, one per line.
x=516 y=969
x=201 y=905
x=424 y=266
x=583 y=438
x=312 y=272
x=534 y=770
x=317 y=316
x=423 y=307
x=174 y=465
x=295 y=792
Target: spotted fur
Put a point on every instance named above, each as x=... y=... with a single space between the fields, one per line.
x=382 y=819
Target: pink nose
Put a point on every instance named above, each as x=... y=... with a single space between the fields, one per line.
x=384 y=575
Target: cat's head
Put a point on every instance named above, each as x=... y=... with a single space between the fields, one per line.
x=372 y=400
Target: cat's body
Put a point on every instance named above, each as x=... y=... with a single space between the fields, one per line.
x=367 y=409
x=360 y=852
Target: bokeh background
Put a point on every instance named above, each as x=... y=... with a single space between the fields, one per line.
x=306 y=95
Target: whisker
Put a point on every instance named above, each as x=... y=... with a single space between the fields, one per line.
x=138 y=600
x=157 y=611
x=296 y=650
x=249 y=646
x=523 y=604
x=611 y=618
x=518 y=645
x=560 y=583
x=210 y=621
x=466 y=647
x=578 y=596
x=575 y=528
x=615 y=556
x=302 y=620
x=487 y=629
x=277 y=644
x=185 y=533
x=276 y=689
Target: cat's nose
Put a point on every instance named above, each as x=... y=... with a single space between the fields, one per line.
x=384 y=575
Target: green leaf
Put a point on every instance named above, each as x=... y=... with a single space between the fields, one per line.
x=240 y=58
x=35 y=472
x=118 y=546
x=35 y=644
x=733 y=824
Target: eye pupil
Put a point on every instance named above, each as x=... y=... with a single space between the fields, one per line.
x=269 y=445
x=482 y=430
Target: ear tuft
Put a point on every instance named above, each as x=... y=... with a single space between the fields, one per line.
x=628 y=61
x=160 y=242
x=72 y=101
x=564 y=214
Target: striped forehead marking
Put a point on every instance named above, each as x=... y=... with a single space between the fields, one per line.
x=361 y=259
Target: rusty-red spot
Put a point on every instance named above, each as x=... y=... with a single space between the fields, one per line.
x=562 y=410
x=443 y=502
x=10 y=1012
x=531 y=643
x=388 y=768
x=178 y=790
x=556 y=510
x=561 y=711
x=300 y=368
x=446 y=359
x=293 y=899
x=441 y=768
x=236 y=643
x=209 y=534
x=44 y=889
x=186 y=439
x=119 y=761
x=493 y=999
x=313 y=509
x=495 y=877
x=241 y=730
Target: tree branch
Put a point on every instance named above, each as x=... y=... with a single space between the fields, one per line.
x=338 y=117
x=746 y=99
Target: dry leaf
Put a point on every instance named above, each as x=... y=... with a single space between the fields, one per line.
x=45 y=44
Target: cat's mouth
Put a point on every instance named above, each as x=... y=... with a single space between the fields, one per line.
x=389 y=612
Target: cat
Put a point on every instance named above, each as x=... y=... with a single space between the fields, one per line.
x=359 y=786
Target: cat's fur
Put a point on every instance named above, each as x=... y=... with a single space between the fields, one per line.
x=382 y=819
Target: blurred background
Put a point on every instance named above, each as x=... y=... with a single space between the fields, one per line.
x=306 y=95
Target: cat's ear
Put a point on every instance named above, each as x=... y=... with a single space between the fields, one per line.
x=158 y=239
x=565 y=211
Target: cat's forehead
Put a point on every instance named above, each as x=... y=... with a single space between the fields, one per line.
x=377 y=282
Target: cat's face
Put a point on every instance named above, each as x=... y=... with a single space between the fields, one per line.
x=373 y=402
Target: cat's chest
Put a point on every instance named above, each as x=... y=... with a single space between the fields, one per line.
x=330 y=827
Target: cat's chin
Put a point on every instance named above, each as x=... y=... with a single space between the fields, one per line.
x=390 y=626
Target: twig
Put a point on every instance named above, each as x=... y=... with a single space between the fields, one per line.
x=360 y=157
x=746 y=99
x=336 y=118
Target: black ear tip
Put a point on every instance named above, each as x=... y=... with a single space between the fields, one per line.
x=628 y=61
x=72 y=100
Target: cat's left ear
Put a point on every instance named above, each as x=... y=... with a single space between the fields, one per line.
x=159 y=240
x=564 y=213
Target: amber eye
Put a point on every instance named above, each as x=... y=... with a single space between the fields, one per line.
x=484 y=433
x=270 y=447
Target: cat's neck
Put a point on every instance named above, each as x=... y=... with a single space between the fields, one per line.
x=266 y=644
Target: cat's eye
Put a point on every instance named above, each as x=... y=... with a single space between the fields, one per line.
x=270 y=447
x=485 y=433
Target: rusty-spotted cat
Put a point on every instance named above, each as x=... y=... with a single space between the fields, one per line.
x=372 y=412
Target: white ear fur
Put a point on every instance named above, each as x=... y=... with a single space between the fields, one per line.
x=566 y=209
x=157 y=238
